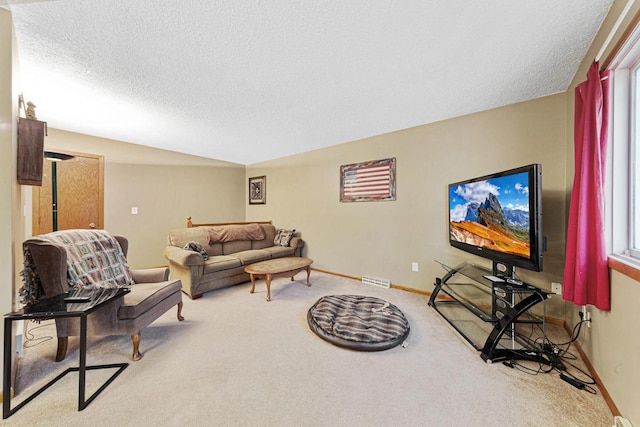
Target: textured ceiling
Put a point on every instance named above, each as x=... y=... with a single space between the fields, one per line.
x=248 y=80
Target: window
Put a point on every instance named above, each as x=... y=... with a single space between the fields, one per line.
x=623 y=177
x=634 y=160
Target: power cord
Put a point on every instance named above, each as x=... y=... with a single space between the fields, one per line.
x=552 y=356
x=555 y=357
x=30 y=340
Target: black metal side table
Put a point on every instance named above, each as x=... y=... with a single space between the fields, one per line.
x=86 y=301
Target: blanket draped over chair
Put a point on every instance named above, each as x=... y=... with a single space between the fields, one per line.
x=94 y=260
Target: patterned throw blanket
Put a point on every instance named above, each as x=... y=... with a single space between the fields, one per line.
x=94 y=260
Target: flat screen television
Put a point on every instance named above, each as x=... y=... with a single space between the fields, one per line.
x=499 y=217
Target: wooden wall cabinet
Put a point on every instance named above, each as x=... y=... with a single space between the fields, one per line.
x=30 y=151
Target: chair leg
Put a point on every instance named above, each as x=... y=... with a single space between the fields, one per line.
x=63 y=342
x=135 y=339
x=180 y=318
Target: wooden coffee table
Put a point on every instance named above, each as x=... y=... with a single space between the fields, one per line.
x=278 y=267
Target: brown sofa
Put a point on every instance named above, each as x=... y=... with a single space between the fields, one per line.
x=226 y=260
x=150 y=296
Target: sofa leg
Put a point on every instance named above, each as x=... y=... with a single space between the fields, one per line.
x=135 y=339
x=180 y=318
x=195 y=296
x=63 y=342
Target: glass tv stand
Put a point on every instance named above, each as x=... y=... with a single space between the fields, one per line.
x=492 y=314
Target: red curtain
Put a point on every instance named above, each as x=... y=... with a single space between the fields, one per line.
x=586 y=274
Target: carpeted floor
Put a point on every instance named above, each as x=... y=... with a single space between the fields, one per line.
x=239 y=361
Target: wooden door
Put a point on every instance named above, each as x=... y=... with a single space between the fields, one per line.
x=80 y=189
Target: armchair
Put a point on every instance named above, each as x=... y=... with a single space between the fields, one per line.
x=152 y=294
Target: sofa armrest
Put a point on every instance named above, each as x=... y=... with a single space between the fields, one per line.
x=150 y=275
x=183 y=257
x=296 y=242
x=51 y=260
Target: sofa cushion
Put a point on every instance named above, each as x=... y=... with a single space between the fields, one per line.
x=281 y=251
x=253 y=255
x=146 y=297
x=221 y=262
x=182 y=236
x=269 y=235
x=229 y=248
x=213 y=249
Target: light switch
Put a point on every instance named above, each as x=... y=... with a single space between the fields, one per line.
x=134 y=210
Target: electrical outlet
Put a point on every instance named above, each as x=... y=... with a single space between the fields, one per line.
x=134 y=211
x=556 y=288
x=585 y=315
x=414 y=266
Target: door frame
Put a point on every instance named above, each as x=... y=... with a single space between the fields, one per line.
x=35 y=195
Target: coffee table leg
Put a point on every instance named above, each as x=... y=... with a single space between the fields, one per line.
x=268 y=280
x=308 y=274
x=253 y=283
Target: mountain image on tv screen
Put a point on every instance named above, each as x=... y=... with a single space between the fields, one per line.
x=492 y=214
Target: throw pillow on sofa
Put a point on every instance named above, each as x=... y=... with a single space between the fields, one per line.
x=283 y=237
x=197 y=247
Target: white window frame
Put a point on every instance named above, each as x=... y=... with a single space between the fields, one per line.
x=619 y=209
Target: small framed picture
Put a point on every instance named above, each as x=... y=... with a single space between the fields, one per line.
x=258 y=190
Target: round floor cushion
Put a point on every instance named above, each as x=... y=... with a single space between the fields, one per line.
x=358 y=322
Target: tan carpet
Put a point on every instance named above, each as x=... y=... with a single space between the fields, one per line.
x=239 y=361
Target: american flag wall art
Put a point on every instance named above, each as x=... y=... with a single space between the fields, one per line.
x=368 y=181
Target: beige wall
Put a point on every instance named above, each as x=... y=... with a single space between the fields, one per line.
x=383 y=238
x=163 y=185
x=613 y=345
x=6 y=167
x=612 y=342
x=11 y=218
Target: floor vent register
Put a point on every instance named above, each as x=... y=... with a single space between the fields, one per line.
x=376 y=281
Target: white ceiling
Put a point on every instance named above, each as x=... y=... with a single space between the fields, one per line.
x=246 y=81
